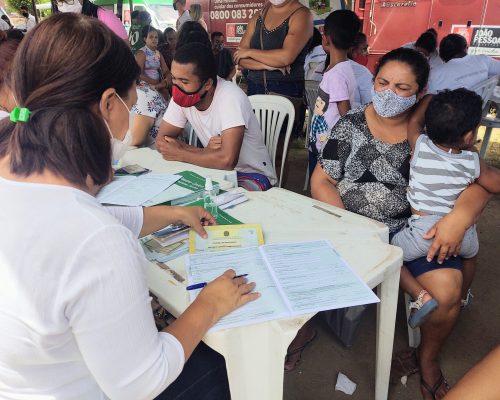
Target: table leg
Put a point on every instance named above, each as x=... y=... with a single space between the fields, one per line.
x=254 y=359
x=486 y=140
x=388 y=292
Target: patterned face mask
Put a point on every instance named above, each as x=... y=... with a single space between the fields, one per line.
x=388 y=104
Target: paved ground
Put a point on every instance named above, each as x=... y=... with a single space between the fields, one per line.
x=476 y=333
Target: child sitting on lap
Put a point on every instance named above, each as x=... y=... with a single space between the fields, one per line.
x=442 y=166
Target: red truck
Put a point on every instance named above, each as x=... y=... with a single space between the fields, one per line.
x=389 y=23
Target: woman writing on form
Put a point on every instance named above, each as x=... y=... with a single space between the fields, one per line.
x=74 y=307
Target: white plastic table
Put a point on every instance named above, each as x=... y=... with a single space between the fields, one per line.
x=255 y=354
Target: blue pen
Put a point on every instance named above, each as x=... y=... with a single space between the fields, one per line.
x=203 y=284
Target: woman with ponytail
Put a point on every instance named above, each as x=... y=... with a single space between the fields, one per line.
x=75 y=311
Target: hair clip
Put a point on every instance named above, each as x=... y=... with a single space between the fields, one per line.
x=20 y=114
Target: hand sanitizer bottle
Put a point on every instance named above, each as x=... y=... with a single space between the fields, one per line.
x=209 y=198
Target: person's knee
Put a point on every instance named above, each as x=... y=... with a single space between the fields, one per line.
x=445 y=286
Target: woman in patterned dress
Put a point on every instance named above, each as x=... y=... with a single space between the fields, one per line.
x=154 y=70
x=364 y=168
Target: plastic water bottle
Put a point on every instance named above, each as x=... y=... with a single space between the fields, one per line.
x=209 y=198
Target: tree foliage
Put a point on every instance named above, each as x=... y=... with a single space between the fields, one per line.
x=14 y=5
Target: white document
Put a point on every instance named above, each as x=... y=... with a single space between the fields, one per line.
x=205 y=267
x=293 y=279
x=135 y=191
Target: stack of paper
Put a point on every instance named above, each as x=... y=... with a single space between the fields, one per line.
x=135 y=190
x=154 y=251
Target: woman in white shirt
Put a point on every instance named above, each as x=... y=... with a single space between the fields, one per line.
x=75 y=312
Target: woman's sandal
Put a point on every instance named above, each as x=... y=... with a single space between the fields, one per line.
x=422 y=310
x=404 y=363
x=433 y=390
x=298 y=350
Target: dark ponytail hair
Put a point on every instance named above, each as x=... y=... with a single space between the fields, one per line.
x=414 y=59
x=60 y=73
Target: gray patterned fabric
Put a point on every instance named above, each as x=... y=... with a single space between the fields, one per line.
x=371 y=176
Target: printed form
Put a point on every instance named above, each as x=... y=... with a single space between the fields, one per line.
x=293 y=279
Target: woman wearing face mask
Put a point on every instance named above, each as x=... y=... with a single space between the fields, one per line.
x=85 y=7
x=277 y=40
x=364 y=168
x=75 y=313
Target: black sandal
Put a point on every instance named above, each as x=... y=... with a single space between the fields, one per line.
x=299 y=350
x=437 y=385
x=404 y=363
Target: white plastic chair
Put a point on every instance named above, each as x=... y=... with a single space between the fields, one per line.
x=486 y=89
x=413 y=334
x=271 y=112
x=311 y=93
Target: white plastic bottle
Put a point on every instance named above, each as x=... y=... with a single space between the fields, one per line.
x=209 y=198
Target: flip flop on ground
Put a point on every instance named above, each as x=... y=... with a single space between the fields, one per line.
x=434 y=389
x=298 y=351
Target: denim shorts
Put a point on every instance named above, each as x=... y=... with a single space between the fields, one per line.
x=410 y=238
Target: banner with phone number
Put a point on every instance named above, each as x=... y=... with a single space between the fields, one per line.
x=231 y=17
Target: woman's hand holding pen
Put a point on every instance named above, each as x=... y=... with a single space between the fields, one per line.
x=227 y=293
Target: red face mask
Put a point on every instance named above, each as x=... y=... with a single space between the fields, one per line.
x=186 y=99
x=361 y=59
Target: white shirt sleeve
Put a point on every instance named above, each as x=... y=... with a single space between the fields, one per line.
x=108 y=309
x=365 y=85
x=131 y=217
x=236 y=112
x=175 y=115
x=493 y=66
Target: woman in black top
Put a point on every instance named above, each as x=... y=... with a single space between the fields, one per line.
x=274 y=48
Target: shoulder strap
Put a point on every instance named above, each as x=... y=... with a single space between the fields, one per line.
x=263 y=17
x=297 y=9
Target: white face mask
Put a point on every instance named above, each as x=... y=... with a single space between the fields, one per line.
x=76 y=7
x=277 y=2
x=119 y=147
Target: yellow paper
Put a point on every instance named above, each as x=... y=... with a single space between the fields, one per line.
x=225 y=237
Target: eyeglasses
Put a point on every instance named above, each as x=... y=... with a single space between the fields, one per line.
x=68 y=2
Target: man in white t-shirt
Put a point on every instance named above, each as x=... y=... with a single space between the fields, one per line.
x=427 y=45
x=180 y=6
x=461 y=70
x=30 y=20
x=222 y=117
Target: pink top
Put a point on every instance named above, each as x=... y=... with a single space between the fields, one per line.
x=112 y=22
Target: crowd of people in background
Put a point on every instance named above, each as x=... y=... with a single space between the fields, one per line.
x=366 y=148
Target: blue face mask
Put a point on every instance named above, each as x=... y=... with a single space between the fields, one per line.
x=388 y=104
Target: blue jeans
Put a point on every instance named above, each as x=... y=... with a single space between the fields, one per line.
x=287 y=88
x=204 y=377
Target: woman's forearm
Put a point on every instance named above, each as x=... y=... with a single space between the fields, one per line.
x=323 y=189
x=470 y=204
x=147 y=79
x=278 y=58
x=158 y=217
x=249 y=63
